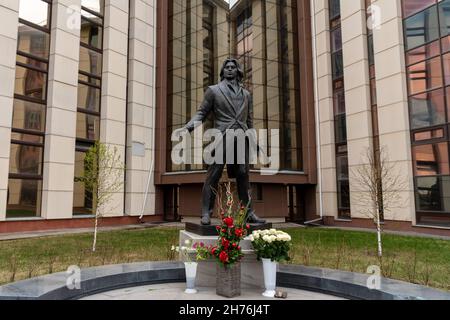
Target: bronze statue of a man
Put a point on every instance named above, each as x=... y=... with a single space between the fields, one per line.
x=232 y=107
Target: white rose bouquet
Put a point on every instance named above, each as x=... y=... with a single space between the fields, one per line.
x=271 y=244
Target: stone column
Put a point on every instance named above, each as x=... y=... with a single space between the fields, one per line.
x=9 y=11
x=357 y=97
x=114 y=88
x=59 y=152
x=141 y=108
x=393 y=118
x=323 y=79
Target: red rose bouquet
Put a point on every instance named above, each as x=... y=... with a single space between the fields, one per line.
x=232 y=230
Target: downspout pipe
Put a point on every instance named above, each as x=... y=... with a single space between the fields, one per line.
x=317 y=118
x=152 y=161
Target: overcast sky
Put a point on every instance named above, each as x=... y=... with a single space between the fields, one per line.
x=231 y=2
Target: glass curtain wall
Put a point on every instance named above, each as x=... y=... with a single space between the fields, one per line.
x=427 y=49
x=262 y=35
x=89 y=95
x=198 y=43
x=340 y=121
x=29 y=111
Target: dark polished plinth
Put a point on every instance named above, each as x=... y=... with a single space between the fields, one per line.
x=211 y=230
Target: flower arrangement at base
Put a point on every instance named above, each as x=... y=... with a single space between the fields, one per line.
x=271 y=246
x=232 y=230
x=228 y=252
x=202 y=253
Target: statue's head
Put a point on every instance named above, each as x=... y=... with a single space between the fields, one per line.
x=231 y=70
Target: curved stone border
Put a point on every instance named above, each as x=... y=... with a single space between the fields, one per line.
x=107 y=278
x=94 y=280
x=353 y=285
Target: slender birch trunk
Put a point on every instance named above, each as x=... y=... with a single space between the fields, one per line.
x=380 y=247
x=94 y=245
x=95 y=208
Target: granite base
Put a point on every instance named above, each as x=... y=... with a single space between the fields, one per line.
x=252 y=276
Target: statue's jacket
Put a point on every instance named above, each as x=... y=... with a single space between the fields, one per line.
x=230 y=110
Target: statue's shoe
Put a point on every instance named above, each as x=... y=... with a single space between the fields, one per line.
x=253 y=218
x=206 y=220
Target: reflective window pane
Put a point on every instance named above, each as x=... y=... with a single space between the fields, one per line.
x=94 y=5
x=33 y=41
x=448 y=103
x=446 y=63
x=429 y=135
x=413 y=6
x=342 y=167
x=88 y=98
x=32 y=63
x=27 y=138
x=91 y=34
x=336 y=40
x=422 y=53
x=88 y=127
x=35 y=11
x=337 y=61
x=433 y=194
x=427 y=109
x=425 y=76
x=444 y=17
x=90 y=61
x=30 y=83
x=90 y=80
x=28 y=116
x=445 y=44
x=421 y=28
x=24 y=198
x=339 y=101
x=335 y=8
x=343 y=194
x=341 y=128
x=82 y=198
x=25 y=159
x=431 y=159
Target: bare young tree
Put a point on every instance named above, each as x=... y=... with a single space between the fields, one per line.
x=377 y=188
x=103 y=177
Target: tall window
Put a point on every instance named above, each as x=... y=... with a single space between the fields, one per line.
x=89 y=95
x=244 y=44
x=208 y=45
x=266 y=35
x=290 y=120
x=340 y=121
x=427 y=45
x=29 y=111
x=191 y=64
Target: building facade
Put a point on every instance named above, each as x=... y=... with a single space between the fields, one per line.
x=347 y=84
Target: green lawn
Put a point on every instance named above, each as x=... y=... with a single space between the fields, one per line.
x=419 y=260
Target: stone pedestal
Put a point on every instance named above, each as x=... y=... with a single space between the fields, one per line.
x=252 y=276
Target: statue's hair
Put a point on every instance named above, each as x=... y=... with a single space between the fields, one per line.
x=238 y=65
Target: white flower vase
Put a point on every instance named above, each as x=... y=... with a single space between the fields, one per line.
x=270 y=277
x=191 y=273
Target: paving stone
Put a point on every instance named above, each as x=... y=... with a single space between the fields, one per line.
x=176 y=291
